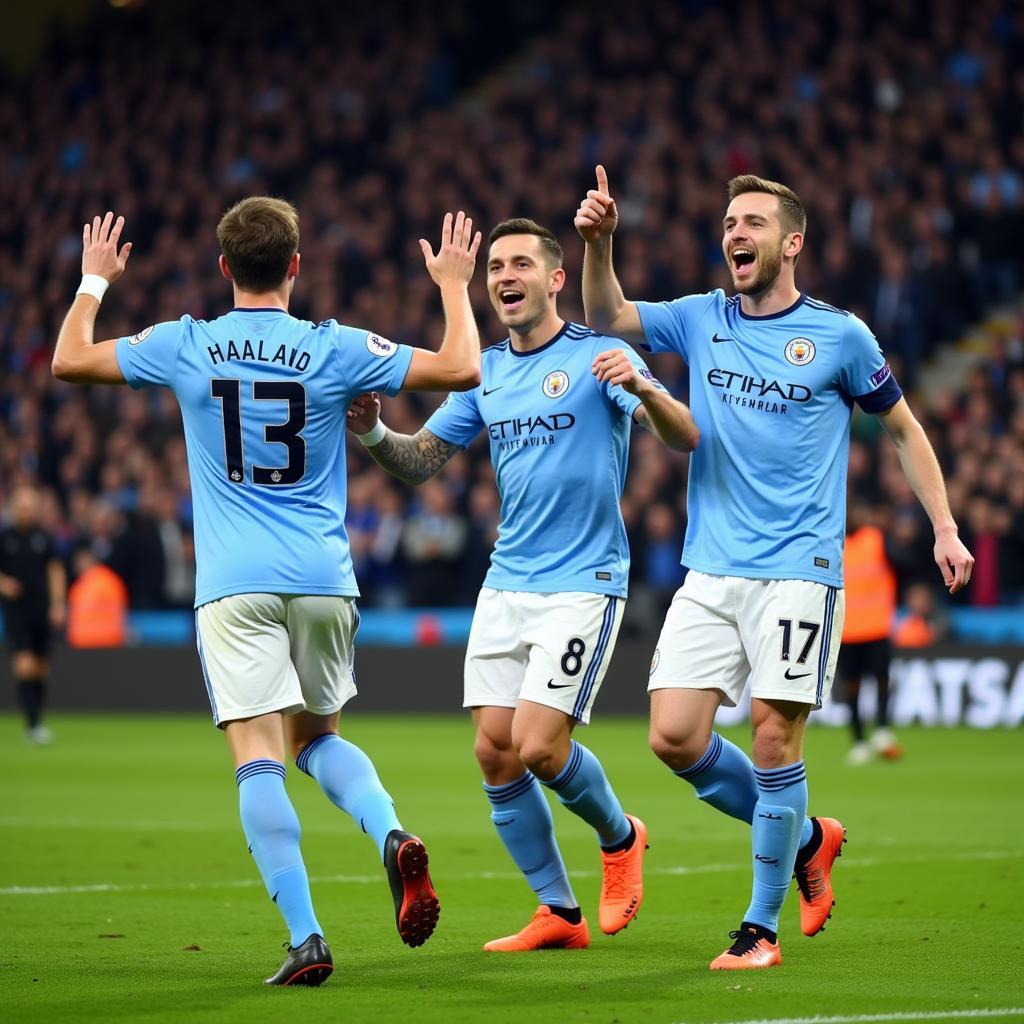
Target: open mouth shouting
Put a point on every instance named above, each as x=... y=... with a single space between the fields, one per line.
x=511 y=299
x=743 y=260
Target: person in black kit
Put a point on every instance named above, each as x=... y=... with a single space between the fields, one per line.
x=32 y=592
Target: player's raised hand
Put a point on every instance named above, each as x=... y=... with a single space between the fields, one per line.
x=615 y=367
x=363 y=413
x=456 y=256
x=100 y=254
x=954 y=560
x=598 y=215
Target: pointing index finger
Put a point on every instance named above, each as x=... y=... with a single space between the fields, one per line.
x=602 y=179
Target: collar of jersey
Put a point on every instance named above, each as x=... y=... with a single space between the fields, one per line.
x=773 y=316
x=259 y=309
x=546 y=345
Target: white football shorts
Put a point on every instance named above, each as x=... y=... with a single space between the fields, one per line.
x=783 y=634
x=277 y=652
x=552 y=649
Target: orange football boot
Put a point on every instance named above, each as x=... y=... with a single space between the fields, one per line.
x=814 y=877
x=747 y=952
x=543 y=931
x=622 y=882
x=885 y=743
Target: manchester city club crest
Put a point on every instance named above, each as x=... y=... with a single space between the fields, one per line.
x=800 y=351
x=556 y=384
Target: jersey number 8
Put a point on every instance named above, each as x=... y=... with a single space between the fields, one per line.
x=572 y=660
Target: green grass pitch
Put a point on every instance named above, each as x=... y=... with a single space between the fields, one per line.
x=126 y=893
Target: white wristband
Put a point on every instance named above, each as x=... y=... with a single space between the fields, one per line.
x=375 y=436
x=95 y=285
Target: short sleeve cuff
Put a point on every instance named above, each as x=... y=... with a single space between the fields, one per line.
x=122 y=353
x=881 y=399
x=399 y=369
x=632 y=405
x=649 y=313
x=440 y=431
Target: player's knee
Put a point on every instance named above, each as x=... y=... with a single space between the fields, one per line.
x=775 y=746
x=496 y=760
x=297 y=744
x=540 y=758
x=678 y=748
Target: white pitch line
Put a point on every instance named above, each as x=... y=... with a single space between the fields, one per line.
x=881 y=1018
x=676 y=870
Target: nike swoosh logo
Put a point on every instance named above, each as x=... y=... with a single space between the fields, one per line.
x=492 y=390
x=552 y=685
x=717 y=340
x=803 y=675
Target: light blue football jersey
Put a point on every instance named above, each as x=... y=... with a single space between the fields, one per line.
x=773 y=397
x=263 y=398
x=559 y=444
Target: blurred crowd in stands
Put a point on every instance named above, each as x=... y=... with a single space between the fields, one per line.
x=901 y=125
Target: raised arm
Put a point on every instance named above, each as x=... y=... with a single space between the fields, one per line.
x=664 y=416
x=76 y=357
x=925 y=478
x=412 y=458
x=456 y=366
x=607 y=309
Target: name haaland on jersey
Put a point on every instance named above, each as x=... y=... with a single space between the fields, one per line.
x=263 y=398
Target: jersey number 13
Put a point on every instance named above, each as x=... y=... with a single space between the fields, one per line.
x=287 y=433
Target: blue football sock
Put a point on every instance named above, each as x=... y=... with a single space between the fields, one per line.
x=521 y=815
x=272 y=830
x=778 y=816
x=583 y=787
x=349 y=780
x=806 y=832
x=724 y=778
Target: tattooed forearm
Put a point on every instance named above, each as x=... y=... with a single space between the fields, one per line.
x=412 y=458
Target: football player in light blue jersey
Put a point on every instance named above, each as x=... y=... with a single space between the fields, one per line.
x=774 y=375
x=556 y=401
x=263 y=398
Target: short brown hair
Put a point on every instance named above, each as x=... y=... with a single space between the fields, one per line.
x=791 y=210
x=525 y=226
x=259 y=236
